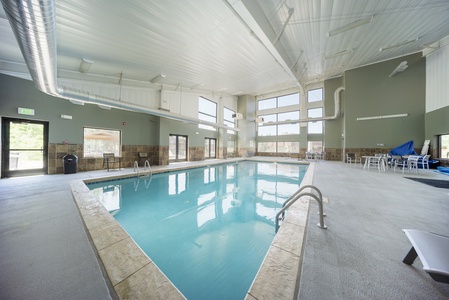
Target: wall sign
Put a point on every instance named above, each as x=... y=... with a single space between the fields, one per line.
x=26 y=111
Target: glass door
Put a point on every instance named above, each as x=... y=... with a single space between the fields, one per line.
x=24 y=147
x=177 y=150
x=210 y=148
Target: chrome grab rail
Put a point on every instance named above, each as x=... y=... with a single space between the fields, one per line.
x=298 y=195
x=147 y=164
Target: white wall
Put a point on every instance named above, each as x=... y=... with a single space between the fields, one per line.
x=437 y=77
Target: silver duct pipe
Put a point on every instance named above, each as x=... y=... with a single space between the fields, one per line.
x=336 y=107
x=34 y=26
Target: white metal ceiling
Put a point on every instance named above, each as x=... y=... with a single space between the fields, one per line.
x=229 y=46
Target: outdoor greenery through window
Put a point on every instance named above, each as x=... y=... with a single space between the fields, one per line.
x=98 y=141
x=207 y=111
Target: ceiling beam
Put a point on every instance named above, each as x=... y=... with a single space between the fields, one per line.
x=252 y=15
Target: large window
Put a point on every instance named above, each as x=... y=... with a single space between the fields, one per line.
x=279 y=147
x=207 y=111
x=231 y=147
x=267 y=129
x=287 y=100
x=228 y=120
x=317 y=126
x=315 y=146
x=444 y=146
x=98 y=141
x=315 y=95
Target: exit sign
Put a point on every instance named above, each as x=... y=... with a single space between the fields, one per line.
x=26 y=111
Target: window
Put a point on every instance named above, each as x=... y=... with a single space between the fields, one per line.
x=266 y=147
x=269 y=130
x=315 y=95
x=279 y=147
x=228 y=120
x=210 y=147
x=317 y=126
x=266 y=104
x=98 y=141
x=207 y=111
x=230 y=147
x=288 y=100
x=292 y=115
x=177 y=148
x=444 y=146
x=288 y=147
x=315 y=146
x=286 y=129
x=269 y=118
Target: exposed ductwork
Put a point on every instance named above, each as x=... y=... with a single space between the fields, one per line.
x=34 y=26
x=336 y=107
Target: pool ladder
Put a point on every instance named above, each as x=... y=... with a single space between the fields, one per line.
x=298 y=194
x=147 y=164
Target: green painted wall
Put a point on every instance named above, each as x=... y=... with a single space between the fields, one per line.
x=369 y=91
x=140 y=129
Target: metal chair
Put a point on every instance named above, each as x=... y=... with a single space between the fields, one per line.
x=110 y=159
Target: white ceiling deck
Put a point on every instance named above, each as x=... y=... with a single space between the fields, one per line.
x=230 y=46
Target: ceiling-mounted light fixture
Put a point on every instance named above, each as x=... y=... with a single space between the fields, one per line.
x=104 y=107
x=197 y=85
x=158 y=78
x=400 y=68
x=85 y=65
x=339 y=53
x=350 y=26
x=76 y=102
x=399 y=44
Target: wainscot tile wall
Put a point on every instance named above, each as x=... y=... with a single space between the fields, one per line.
x=156 y=155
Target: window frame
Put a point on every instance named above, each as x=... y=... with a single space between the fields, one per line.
x=207 y=115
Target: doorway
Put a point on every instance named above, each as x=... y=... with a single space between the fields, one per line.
x=24 y=147
x=210 y=148
x=177 y=149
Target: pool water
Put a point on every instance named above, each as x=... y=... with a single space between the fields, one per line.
x=208 y=229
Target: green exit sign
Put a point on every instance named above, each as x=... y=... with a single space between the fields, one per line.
x=26 y=111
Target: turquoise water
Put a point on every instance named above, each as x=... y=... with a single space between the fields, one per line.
x=208 y=229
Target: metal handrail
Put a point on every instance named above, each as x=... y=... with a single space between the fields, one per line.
x=298 y=195
x=147 y=163
x=136 y=167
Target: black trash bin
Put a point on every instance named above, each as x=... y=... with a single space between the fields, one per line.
x=70 y=162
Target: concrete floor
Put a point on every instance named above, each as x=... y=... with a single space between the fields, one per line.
x=46 y=254
x=360 y=255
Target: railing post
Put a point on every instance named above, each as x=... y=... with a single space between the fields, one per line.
x=298 y=195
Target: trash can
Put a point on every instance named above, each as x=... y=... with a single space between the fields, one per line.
x=70 y=162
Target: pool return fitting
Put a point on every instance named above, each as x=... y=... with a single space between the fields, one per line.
x=298 y=194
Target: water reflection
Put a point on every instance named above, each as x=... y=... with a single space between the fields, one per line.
x=208 y=227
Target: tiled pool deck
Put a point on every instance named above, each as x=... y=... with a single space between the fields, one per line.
x=134 y=276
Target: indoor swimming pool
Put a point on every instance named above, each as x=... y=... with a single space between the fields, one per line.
x=208 y=229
